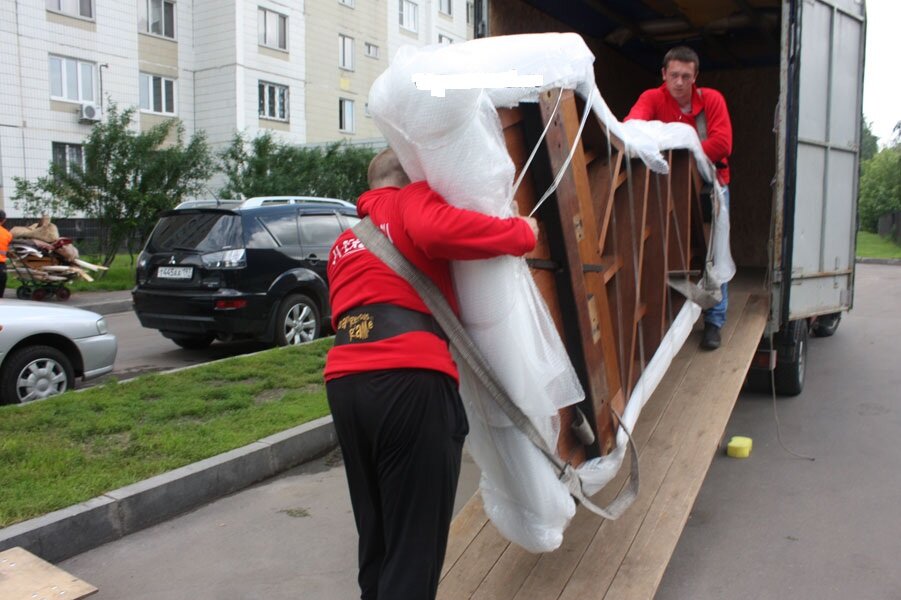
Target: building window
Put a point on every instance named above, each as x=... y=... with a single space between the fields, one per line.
x=71 y=79
x=157 y=17
x=78 y=8
x=372 y=51
x=346 y=52
x=349 y=3
x=446 y=6
x=443 y=39
x=346 y=115
x=272 y=29
x=408 y=14
x=157 y=94
x=273 y=101
x=469 y=13
x=65 y=156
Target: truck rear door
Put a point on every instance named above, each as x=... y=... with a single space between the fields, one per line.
x=821 y=215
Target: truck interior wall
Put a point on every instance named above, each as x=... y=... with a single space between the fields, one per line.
x=751 y=94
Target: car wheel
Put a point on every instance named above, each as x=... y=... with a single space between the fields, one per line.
x=194 y=342
x=34 y=373
x=297 y=321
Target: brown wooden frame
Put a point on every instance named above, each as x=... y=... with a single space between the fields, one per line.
x=610 y=236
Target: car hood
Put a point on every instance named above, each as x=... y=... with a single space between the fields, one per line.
x=21 y=318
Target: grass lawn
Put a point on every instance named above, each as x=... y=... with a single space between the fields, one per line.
x=73 y=447
x=121 y=276
x=870 y=245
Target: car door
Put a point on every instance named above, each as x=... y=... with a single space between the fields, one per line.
x=273 y=245
x=318 y=231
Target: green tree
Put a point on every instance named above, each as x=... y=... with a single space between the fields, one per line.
x=880 y=185
x=127 y=178
x=869 y=143
x=266 y=167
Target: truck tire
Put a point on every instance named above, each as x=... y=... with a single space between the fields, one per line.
x=825 y=325
x=789 y=374
x=297 y=321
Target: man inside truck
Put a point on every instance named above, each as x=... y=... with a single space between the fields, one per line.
x=391 y=382
x=679 y=100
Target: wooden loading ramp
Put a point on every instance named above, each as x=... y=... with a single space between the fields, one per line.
x=678 y=433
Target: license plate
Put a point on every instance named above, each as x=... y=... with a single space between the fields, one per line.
x=175 y=272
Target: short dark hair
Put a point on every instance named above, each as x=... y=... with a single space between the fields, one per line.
x=682 y=54
x=2 y=215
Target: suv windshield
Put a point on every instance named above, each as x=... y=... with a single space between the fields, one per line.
x=197 y=231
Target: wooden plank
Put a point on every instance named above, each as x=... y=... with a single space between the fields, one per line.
x=601 y=561
x=467 y=574
x=643 y=568
x=463 y=530
x=24 y=576
x=554 y=569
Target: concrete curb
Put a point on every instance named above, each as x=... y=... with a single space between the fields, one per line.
x=880 y=261
x=70 y=531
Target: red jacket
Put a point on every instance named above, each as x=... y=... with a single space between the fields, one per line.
x=429 y=233
x=659 y=105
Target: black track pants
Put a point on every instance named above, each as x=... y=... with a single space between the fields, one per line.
x=401 y=433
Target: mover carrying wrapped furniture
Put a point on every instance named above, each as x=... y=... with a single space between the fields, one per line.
x=793 y=228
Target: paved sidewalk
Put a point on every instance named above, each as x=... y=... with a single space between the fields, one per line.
x=104 y=303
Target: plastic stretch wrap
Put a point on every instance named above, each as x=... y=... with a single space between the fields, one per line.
x=456 y=143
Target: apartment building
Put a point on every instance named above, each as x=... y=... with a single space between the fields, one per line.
x=298 y=68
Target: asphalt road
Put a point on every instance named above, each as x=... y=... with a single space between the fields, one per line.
x=772 y=526
x=145 y=350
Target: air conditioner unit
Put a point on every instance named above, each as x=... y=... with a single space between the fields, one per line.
x=89 y=113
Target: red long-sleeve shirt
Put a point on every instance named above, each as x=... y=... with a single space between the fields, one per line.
x=658 y=104
x=429 y=233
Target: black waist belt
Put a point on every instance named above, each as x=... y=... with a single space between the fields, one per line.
x=376 y=322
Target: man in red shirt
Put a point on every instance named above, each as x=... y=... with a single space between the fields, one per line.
x=392 y=383
x=679 y=100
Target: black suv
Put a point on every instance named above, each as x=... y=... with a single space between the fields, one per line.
x=260 y=272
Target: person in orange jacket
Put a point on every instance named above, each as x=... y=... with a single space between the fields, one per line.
x=5 y=238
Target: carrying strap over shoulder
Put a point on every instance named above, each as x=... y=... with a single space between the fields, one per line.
x=701 y=120
x=377 y=243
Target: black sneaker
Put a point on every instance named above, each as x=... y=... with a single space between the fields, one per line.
x=711 y=339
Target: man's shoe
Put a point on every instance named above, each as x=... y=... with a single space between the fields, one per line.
x=711 y=339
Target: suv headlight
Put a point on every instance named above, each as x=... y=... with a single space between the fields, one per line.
x=101 y=326
x=226 y=259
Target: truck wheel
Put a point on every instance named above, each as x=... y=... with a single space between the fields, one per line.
x=34 y=373
x=789 y=374
x=297 y=321
x=193 y=342
x=826 y=325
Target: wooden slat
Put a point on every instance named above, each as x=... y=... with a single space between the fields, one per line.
x=463 y=530
x=643 y=568
x=554 y=569
x=677 y=435
x=601 y=560
x=24 y=576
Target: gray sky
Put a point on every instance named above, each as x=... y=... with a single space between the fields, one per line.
x=881 y=87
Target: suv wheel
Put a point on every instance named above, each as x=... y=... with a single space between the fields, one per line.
x=193 y=342
x=297 y=321
x=35 y=373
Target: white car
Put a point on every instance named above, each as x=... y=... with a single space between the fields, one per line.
x=44 y=347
